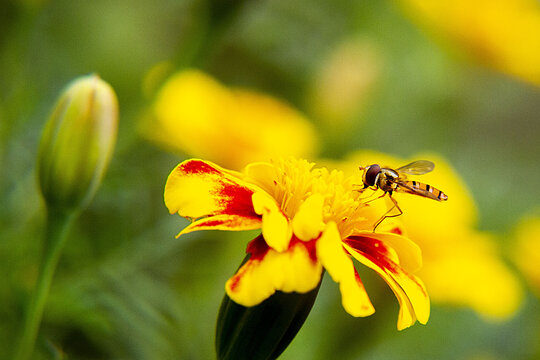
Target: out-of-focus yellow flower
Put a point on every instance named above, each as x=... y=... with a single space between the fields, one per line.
x=527 y=251
x=462 y=266
x=503 y=34
x=310 y=219
x=345 y=80
x=196 y=115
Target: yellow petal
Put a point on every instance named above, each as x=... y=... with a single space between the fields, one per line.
x=308 y=221
x=408 y=254
x=409 y=290
x=262 y=174
x=339 y=265
x=275 y=225
x=295 y=270
x=197 y=188
x=223 y=222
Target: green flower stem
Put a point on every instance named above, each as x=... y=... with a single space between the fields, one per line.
x=57 y=227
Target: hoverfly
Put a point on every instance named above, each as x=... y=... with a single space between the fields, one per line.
x=390 y=180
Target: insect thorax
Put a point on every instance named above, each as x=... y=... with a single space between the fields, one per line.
x=386 y=180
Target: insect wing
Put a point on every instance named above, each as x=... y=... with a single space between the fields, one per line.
x=418 y=167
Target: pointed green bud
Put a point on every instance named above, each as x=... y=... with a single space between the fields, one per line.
x=77 y=143
x=263 y=331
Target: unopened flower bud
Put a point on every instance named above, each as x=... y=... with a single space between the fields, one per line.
x=262 y=331
x=77 y=143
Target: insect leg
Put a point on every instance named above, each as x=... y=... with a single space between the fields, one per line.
x=385 y=214
x=367 y=197
x=358 y=187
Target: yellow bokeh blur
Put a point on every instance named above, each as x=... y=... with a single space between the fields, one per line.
x=527 y=251
x=344 y=82
x=196 y=115
x=502 y=34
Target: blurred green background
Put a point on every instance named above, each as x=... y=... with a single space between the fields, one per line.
x=125 y=288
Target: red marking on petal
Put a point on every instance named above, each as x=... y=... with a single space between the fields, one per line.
x=230 y=194
x=373 y=249
x=397 y=231
x=231 y=221
x=366 y=306
x=357 y=278
x=235 y=280
x=258 y=248
x=377 y=253
x=197 y=167
x=236 y=199
x=309 y=245
x=212 y=223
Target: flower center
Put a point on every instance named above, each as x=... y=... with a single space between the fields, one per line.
x=292 y=181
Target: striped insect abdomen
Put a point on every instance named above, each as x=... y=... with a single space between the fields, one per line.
x=418 y=188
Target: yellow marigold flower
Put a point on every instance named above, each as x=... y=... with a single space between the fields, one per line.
x=462 y=266
x=196 y=115
x=310 y=219
x=503 y=34
x=527 y=252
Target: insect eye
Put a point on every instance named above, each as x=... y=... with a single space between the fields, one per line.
x=371 y=174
